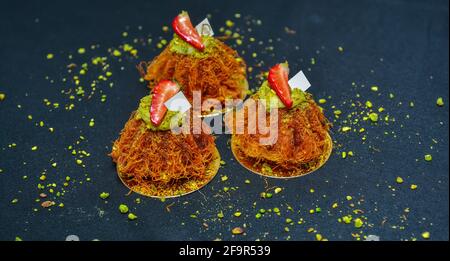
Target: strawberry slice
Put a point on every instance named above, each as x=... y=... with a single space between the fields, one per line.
x=161 y=93
x=278 y=81
x=183 y=27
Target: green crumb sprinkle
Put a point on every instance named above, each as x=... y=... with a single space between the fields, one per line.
x=411 y=104
x=258 y=215
x=358 y=223
x=18 y=239
x=276 y=210
x=413 y=186
x=50 y=56
x=340 y=48
x=91 y=123
x=117 y=53
x=247 y=181
x=14 y=201
x=349 y=197
x=268 y=195
x=439 y=102
x=319 y=237
x=229 y=23
x=2 y=96
x=278 y=190
x=132 y=216
x=104 y=195
x=346 y=128
x=344 y=154
x=374 y=88
x=224 y=178
x=123 y=208
x=322 y=101
x=286 y=229
x=220 y=214
x=34 y=148
x=428 y=157
x=337 y=112
x=369 y=104
x=81 y=50
x=373 y=117
x=237 y=214
x=289 y=221
x=347 y=219
x=426 y=235
x=399 y=180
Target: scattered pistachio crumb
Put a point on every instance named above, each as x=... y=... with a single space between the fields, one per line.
x=104 y=195
x=373 y=117
x=123 y=208
x=358 y=223
x=132 y=216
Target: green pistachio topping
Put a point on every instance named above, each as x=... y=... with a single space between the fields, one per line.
x=143 y=113
x=266 y=93
x=179 y=46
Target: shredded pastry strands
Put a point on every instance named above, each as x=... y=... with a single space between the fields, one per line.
x=303 y=143
x=162 y=164
x=219 y=74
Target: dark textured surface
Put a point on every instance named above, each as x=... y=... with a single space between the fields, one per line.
x=401 y=46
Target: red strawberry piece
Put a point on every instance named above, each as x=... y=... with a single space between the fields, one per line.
x=161 y=93
x=183 y=27
x=278 y=81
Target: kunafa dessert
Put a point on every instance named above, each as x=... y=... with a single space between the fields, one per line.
x=198 y=63
x=152 y=160
x=303 y=143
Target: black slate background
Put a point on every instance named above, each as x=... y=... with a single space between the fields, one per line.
x=411 y=37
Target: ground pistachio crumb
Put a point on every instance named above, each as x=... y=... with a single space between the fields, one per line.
x=358 y=222
x=104 y=195
x=426 y=235
x=428 y=157
x=373 y=117
x=123 y=208
x=132 y=216
x=439 y=102
x=399 y=180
